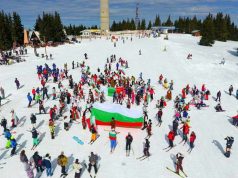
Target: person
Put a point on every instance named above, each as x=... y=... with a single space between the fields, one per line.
x=14 y=119
x=41 y=107
x=175 y=126
x=2 y=92
x=62 y=161
x=113 y=123
x=73 y=65
x=38 y=162
x=179 y=162
x=1 y=100
x=4 y=123
x=191 y=141
x=93 y=159
x=237 y=94
x=45 y=92
x=146 y=147
x=149 y=128
x=129 y=140
x=27 y=165
x=77 y=169
x=230 y=90
x=218 y=108
x=13 y=145
x=17 y=83
x=29 y=99
x=229 y=142
x=93 y=133
x=185 y=128
x=33 y=120
x=218 y=96
x=140 y=52
x=35 y=137
x=52 y=129
x=47 y=164
x=159 y=117
x=113 y=139
x=54 y=93
x=171 y=136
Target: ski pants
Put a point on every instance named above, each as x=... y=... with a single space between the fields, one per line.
x=128 y=146
x=90 y=166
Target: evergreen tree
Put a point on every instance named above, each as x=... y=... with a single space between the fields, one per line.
x=149 y=25
x=168 y=22
x=157 y=21
x=17 y=29
x=208 y=32
x=143 y=25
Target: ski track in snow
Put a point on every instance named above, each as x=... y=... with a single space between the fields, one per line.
x=206 y=160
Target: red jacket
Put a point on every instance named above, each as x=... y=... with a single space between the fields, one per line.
x=33 y=91
x=235 y=117
x=186 y=129
x=192 y=138
x=171 y=135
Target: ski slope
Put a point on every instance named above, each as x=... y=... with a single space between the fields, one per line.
x=206 y=160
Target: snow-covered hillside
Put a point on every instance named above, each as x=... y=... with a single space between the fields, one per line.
x=205 y=161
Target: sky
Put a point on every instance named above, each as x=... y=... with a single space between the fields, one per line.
x=87 y=12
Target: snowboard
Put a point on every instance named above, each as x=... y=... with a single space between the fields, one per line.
x=78 y=140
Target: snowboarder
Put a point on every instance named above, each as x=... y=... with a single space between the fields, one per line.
x=218 y=108
x=62 y=161
x=129 y=140
x=230 y=90
x=17 y=83
x=229 y=142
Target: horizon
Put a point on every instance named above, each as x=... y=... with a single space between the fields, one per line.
x=82 y=12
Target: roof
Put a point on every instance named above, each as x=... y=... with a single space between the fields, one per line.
x=195 y=31
x=91 y=31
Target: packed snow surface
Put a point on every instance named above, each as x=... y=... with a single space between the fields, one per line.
x=205 y=161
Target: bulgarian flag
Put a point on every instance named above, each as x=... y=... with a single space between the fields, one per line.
x=124 y=117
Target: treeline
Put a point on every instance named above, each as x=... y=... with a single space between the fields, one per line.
x=75 y=30
x=11 y=30
x=50 y=27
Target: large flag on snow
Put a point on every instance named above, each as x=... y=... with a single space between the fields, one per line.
x=124 y=117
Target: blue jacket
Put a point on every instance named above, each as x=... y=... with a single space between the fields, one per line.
x=7 y=134
x=29 y=97
x=46 y=163
x=13 y=143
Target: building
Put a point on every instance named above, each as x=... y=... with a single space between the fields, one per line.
x=90 y=33
x=32 y=37
x=163 y=29
x=196 y=33
x=104 y=14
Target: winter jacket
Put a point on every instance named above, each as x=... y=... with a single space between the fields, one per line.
x=13 y=143
x=33 y=119
x=129 y=139
x=29 y=97
x=77 y=167
x=171 y=136
x=46 y=162
x=62 y=160
x=37 y=159
x=93 y=159
x=192 y=138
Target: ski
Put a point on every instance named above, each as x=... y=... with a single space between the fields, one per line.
x=170 y=148
x=34 y=147
x=144 y=158
x=141 y=157
x=3 y=163
x=175 y=172
x=91 y=142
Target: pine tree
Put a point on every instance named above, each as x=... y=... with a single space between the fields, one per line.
x=17 y=29
x=168 y=22
x=149 y=25
x=157 y=21
x=143 y=25
x=208 y=34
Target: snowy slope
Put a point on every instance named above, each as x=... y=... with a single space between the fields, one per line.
x=206 y=160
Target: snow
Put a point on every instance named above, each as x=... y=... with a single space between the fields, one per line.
x=206 y=159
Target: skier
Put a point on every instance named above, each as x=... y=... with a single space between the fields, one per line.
x=54 y=93
x=17 y=83
x=230 y=90
x=13 y=145
x=159 y=117
x=113 y=139
x=14 y=119
x=73 y=65
x=179 y=163
x=62 y=161
x=85 y=55
x=129 y=140
x=229 y=142
x=29 y=99
x=192 y=139
x=33 y=120
x=218 y=96
x=171 y=136
x=27 y=165
x=45 y=93
x=38 y=162
x=185 y=132
x=93 y=133
x=52 y=129
x=175 y=126
x=93 y=159
x=41 y=107
x=237 y=94
x=77 y=169
x=4 y=123
x=35 y=138
x=140 y=52
x=146 y=147
x=46 y=163
x=149 y=128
